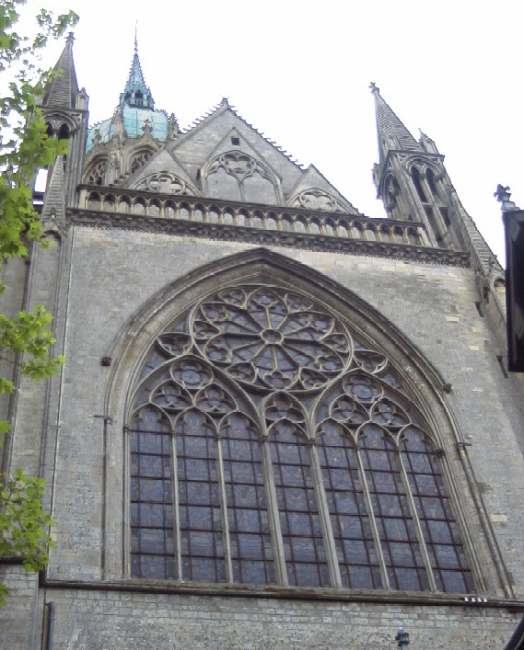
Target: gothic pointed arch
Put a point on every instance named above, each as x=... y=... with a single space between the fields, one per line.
x=336 y=431
x=96 y=171
x=239 y=174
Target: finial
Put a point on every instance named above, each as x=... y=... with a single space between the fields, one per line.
x=374 y=88
x=503 y=195
x=224 y=101
x=70 y=38
x=147 y=129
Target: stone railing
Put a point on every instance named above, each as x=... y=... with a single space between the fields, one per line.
x=231 y=213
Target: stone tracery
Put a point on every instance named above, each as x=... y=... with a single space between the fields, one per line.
x=164 y=182
x=239 y=176
x=266 y=392
x=316 y=199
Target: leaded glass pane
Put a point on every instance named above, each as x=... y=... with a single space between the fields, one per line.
x=395 y=523
x=151 y=496
x=424 y=471
x=299 y=518
x=200 y=509
x=251 y=546
x=356 y=554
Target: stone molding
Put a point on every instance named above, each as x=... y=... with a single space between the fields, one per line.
x=379 y=597
x=246 y=234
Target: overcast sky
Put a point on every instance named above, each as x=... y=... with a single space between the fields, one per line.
x=299 y=70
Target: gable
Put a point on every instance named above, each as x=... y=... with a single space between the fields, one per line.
x=196 y=147
x=313 y=191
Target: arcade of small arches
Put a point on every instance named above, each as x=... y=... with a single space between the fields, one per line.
x=270 y=446
x=291 y=220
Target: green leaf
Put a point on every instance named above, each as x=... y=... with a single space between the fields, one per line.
x=26 y=338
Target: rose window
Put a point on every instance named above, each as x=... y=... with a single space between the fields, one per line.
x=271 y=340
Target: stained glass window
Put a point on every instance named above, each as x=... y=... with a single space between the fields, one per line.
x=269 y=445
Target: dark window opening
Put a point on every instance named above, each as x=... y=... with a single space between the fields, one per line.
x=415 y=175
x=445 y=216
x=431 y=182
x=63 y=133
x=235 y=141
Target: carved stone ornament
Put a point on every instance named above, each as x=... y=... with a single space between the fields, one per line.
x=96 y=172
x=140 y=159
x=315 y=199
x=238 y=164
x=225 y=232
x=164 y=183
x=271 y=339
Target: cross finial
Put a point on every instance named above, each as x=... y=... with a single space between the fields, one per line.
x=374 y=88
x=503 y=195
x=70 y=38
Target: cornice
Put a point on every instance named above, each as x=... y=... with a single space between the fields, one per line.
x=223 y=232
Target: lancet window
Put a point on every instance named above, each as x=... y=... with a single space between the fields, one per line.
x=271 y=446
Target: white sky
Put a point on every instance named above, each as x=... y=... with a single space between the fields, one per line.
x=299 y=70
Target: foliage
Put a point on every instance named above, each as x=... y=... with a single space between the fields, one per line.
x=25 y=339
x=23 y=523
x=25 y=148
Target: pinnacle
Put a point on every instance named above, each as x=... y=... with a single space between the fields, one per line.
x=136 y=92
x=392 y=134
x=63 y=87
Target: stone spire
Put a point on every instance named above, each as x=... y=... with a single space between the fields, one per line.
x=391 y=132
x=62 y=90
x=136 y=92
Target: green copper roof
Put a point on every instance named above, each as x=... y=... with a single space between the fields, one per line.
x=134 y=120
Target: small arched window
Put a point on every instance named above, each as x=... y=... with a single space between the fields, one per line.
x=139 y=98
x=269 y=445
x=417 y=181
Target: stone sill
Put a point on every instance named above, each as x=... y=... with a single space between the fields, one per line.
x=378 y=597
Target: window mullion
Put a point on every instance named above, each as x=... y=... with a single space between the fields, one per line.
x=225 y=521
x=373 y=522
x=418 y=525
x=175 y=502
x=323 y=509
x=279 y=555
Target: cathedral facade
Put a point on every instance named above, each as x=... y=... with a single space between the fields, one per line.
x=281 y=423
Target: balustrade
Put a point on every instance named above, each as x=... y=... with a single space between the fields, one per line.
x=285 y=219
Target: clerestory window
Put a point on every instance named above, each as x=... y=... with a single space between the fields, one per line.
x=270 y=445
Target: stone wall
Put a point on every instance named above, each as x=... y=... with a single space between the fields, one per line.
x=113 y=274
x=99 y=620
